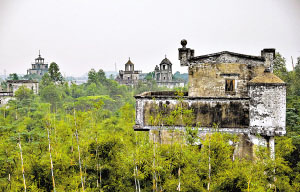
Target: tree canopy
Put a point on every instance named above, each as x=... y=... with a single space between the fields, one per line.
x=54 y=72
x=80 y=138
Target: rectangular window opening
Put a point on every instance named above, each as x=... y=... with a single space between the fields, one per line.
x=229 y=85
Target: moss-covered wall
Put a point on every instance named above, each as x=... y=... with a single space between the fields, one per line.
x=203 y=112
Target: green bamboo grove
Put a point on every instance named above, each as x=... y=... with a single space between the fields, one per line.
x=81 y=138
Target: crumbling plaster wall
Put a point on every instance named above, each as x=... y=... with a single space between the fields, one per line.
x=232 y=113
x=267 y=109
x=208 y=79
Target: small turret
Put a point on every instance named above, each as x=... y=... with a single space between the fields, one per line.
x=185 y=53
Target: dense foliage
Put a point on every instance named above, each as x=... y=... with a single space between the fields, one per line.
x=80 y=138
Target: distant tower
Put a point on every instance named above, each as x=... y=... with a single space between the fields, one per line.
x=39 y=67
x=164 y=71
x=129 y=76
x=129 y=66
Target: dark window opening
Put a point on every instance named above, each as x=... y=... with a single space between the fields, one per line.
x=229 y=85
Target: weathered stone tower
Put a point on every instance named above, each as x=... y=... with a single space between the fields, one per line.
x=129 y=76
x=163 y=75
x=237 y=92
x=164 y=71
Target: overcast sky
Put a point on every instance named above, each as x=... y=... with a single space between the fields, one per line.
x=83 y=34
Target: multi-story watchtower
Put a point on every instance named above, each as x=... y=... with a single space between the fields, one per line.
x=164 y=71
x=39 y=67
x=129 y=76
x=163 y=75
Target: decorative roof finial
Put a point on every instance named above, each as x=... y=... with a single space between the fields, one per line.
x=183 y=43
x=129 y=58
x=165 y=56
x=39 y=53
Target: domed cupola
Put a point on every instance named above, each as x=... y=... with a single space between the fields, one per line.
x=166 y=61
x=165 y=64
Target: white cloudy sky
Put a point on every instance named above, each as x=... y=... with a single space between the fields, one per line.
x=84 y=34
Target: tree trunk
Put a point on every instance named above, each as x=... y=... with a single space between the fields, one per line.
x=79 y=161
x=135 y=183
x=51 y=163
x=154 y=173
x=138 y=182
x=23 y=171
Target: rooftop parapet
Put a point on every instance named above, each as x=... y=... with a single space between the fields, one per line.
x=187 y=57
x=185 y=53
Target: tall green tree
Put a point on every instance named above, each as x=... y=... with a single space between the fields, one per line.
x=296 y=82
x=279 y=66
x=23 y=93
x=92 y=77
x=101 y=76
x=54 y=72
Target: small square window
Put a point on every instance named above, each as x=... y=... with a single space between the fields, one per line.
x=229 y=85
